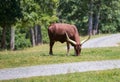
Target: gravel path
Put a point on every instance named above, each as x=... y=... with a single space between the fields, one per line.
x=54 y=69
x=107 y=41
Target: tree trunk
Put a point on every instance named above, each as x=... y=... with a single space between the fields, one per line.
x=35 y=32
x=3 y=39
x=32 y=36
x=12 y=39
x=90 y=20
x=96 y=17
x=40 y=41
x=38 y=35
x=96 y=23
x=90 y=25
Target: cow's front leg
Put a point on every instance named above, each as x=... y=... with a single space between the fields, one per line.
x=68 y=48
x=51 y=46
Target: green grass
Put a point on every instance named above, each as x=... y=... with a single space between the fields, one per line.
x=95 y=76
x=39 y=55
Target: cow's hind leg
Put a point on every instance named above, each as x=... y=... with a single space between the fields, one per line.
x=68 y=48
x=51 y=46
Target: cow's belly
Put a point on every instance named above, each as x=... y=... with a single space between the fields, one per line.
x=60 y=38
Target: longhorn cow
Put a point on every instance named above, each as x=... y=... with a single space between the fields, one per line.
x=65 y=33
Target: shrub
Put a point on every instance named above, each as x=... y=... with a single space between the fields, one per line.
x=45 y=35
x=108 y=28
x=21 y=42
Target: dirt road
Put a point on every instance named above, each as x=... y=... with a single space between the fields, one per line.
x=54 y=69
x=107 y=41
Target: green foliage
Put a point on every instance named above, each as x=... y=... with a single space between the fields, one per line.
x=45 y=35
x=21 y=42
x=108 y=28
x=76 y=12
x=39 y=12
x=9 y=11
x=109 y=22
x=33 y=12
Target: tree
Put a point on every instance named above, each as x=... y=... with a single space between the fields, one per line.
x=75 y=12
x=95 y=14
x=109 y=16
x=30 y=17
x=38 y=35
x=90 y=19
x=37 y=13
x=10 y=11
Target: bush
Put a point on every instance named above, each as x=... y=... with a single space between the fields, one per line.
x=45 y=35
x=109 y=28
x=21 y=42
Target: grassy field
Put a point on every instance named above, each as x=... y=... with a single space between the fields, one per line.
x=96 y=76
x=39 y=55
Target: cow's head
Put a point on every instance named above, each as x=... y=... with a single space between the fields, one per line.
x=77 y=46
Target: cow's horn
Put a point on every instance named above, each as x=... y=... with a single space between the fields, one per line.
x=82 y=42
x=68 y=39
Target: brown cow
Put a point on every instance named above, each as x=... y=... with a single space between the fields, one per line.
x=65 y=33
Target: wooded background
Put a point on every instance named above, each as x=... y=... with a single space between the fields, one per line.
x=24 y=23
